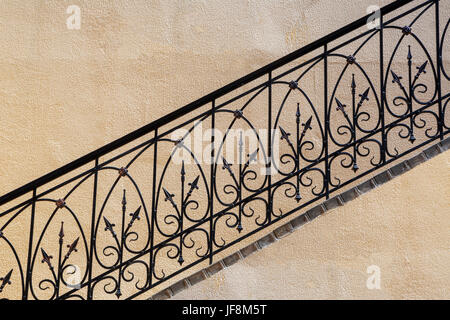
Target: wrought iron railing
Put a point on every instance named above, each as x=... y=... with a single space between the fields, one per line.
x=131 y=215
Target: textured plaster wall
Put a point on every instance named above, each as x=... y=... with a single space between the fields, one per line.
x=395 y=227
x=64 y=93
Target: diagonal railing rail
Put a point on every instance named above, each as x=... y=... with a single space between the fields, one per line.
x=382 y=93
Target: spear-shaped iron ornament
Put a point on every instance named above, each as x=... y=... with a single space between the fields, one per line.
x=5 y=280
x=46 y=258
x=227 y=166
x=412 y=138
x=364 y=97
x=252 y=156
x=340 y=106
x=72 y=247
x=118 y=293
x=169 y=197
x=284 y=134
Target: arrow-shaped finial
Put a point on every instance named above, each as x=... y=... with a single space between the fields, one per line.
x=61 y=233
x=118 y=293
x=421 y=69
x=364 y=96
x=6 y=280
x=285 y=136
x=72 y=247
x=306 y=126
x=183 y=171
x=340 y=105
x=342 y=108
x=226 y=165
x=134 y=216
x=353 y=85
x=169 y=197
x=396 y=79
x=298 y=197
x=124 y=198
x=193 y=185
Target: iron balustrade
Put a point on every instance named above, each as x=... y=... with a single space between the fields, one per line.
x=190 y=213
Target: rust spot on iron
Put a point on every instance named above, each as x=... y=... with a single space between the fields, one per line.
x=123 y=172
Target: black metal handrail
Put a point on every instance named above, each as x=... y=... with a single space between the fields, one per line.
x=361 y=127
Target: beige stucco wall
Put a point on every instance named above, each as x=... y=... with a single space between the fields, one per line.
x=67 y=92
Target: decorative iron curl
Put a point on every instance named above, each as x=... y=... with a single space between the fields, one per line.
x=289 y=192
x=346 y=162
x=232 y=221
x=186 y=206
x=171 y=254
x=192 y=243
x=251 y=212
x=403 y=133
x=129 y=276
